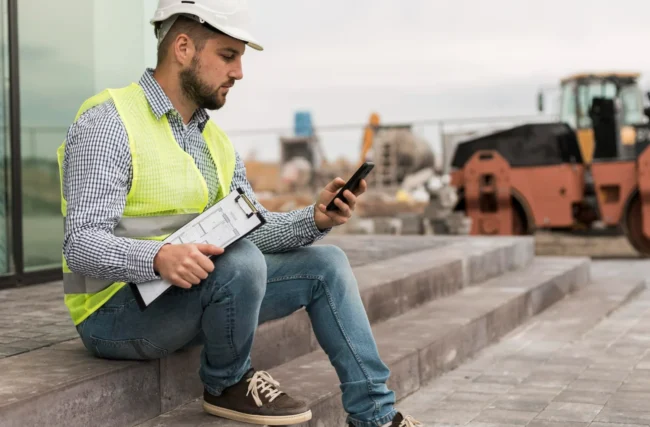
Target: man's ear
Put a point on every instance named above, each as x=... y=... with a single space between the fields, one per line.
x=184 y=49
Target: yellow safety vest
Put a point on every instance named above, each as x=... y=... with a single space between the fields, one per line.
x=167 y=189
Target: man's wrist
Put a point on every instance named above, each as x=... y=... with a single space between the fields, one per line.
x=156 y=260
x=140 y=259
x=305 y=224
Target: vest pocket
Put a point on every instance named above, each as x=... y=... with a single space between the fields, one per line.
x=133 y=349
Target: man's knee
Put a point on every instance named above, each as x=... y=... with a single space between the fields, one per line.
x=335 y=265
x=242 y=268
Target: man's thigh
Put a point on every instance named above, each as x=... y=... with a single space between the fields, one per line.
x=292 y=277
x=120 y=330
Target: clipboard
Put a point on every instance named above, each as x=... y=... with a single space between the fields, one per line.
x=229 y=220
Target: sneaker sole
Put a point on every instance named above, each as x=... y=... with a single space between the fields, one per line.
x=257 y=419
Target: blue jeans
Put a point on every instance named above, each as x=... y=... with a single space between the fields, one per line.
x=245 y=289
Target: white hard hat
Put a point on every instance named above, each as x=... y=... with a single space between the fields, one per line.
x=228 y=16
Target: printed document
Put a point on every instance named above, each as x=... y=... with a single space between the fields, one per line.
x=231 y=219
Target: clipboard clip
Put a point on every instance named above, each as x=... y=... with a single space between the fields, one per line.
x=248 y=207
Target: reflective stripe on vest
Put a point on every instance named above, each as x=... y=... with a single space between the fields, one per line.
x=132 y=227
x=74 y=283
x=140 y=226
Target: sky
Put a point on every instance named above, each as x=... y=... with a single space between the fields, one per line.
x=341 y=60
x=422 y=59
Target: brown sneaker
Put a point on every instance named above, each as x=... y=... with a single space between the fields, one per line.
x=256 y=400
x=400 y=421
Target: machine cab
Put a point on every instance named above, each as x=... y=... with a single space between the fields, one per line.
x=615 y=102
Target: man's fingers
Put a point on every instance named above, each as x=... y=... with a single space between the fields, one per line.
x=209 y=249
x=361 y=188
x=334 y=185
x=344 y=208
x=197 y=270
x=191 y=277
x=205 y=264
x=351 y=198
x=180 y=282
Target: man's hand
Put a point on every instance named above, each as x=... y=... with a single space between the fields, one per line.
x=326 y=219
x=185 y=265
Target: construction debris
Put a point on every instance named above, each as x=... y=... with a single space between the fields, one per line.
x=406 y=194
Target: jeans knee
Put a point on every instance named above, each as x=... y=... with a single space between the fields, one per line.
x=242 y=267
x=336 y=266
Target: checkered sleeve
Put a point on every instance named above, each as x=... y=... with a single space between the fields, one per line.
x=283 y=231
x=96 y=180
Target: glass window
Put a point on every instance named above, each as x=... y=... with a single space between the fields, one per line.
x=586 y=95
x=632 y=102
x=568 y=107
x=69 y=50
x=5 y=165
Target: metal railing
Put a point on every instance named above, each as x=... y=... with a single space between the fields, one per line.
x=41 y=142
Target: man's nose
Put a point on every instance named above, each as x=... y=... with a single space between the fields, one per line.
x=237 y=72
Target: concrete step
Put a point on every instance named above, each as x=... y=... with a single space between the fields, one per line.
x=80 y=390
x=422 y=343
x=560 y=367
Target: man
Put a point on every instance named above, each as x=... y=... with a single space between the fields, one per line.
x=140 y=162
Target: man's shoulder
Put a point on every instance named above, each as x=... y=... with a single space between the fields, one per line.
x=100 y=120
x=101 y=113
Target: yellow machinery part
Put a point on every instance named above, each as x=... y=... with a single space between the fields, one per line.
x=586 y=142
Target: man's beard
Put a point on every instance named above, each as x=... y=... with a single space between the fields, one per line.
x=197 y=91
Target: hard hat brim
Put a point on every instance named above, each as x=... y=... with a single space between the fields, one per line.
x=240 y=35
x=230 y=31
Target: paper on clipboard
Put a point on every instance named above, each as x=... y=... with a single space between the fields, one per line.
x=231 y=219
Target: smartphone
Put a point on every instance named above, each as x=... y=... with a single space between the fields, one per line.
x=352 y=184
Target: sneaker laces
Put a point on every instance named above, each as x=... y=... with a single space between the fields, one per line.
x=409 y=421
x=261 y=382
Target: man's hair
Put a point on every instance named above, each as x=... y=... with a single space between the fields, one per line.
x=199 y=33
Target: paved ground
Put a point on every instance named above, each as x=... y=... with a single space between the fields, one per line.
x=553 y=371
x=565 y=244
x=35 y=316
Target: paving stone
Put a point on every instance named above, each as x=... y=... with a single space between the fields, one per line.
x=519 y=403
x=501 y=416
x=636 y=384
x=627 y=400
x=462 y=396
x=558 y=368
x=614 y=425
x=564 y=411
x=460 y=405
x=537 y=393
x=582 y=396
x=29 y=344
x=442 y=416
x=544 y=376
x=485 y=388
x=499 y=379
x=479 y=424
x=604 y=374
x=8 y=340
x=536 y=423
x=589 y=385
x=25 y=334
x=10 y=351
x=623 y=416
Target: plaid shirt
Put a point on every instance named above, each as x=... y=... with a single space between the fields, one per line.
x=97 y=175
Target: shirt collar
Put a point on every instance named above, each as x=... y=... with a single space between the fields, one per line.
x=159 y=101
